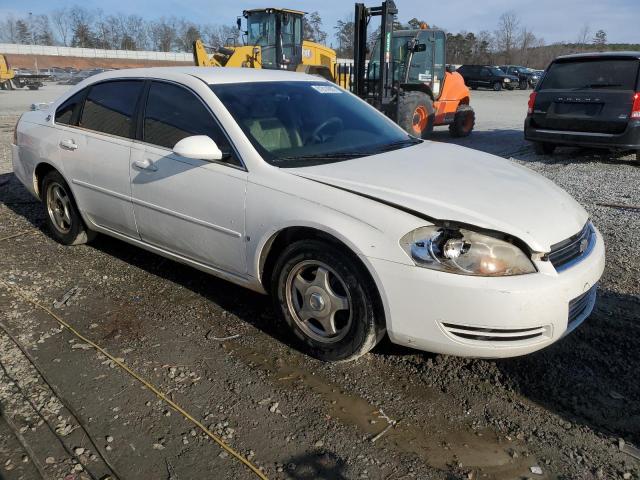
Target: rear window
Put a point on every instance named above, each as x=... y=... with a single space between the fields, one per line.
x=611 y=74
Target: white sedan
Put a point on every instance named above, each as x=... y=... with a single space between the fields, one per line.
x=286 y=184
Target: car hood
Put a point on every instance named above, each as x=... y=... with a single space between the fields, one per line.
x=448 y=182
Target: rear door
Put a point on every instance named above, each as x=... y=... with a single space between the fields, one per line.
x=95 y=146
x=587 y=95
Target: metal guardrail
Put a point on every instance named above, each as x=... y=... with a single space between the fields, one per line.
x=16 y=49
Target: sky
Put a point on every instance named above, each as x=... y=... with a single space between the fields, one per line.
x=552 y=20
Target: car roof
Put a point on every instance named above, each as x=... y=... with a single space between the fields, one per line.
x=620 y=54
x=212 y=75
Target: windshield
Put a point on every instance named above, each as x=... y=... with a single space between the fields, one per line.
x=295 y=124
x=613 y=74
x=496 y=71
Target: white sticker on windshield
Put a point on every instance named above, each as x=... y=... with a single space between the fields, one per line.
x=326 y=89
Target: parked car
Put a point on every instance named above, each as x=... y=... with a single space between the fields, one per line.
x=285 y=183
x=485 y=76
x=527 y=78
x=590 y=100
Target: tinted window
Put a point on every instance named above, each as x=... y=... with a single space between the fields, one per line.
x=613 y=74
x=109 y=107
x=174 y=113
x=66 y=113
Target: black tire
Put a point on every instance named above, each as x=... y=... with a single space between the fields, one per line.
x=638 y=157
x=361 y=329
x=3 y=85
x=463 y=122
x=73 y=231
x=544 y=148
x=523 y=85
x=33 y=87
x=416 y=114
x=497 y=86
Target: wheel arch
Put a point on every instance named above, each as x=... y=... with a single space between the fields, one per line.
x=274 y=246
x=41 y=171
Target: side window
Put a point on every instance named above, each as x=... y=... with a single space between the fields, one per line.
x=173 y=113
x=67 y=113
x=109 y=107
x=485 y=72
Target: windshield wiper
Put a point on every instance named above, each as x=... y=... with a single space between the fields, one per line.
x=599 y=85
x=395 y=145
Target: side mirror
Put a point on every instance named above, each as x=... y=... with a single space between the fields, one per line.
x=450 y=68
x=420 y=47
x=198 y=147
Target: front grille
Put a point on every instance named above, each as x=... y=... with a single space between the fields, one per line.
x=494 y=334
x=573 y=249
x=580 y=307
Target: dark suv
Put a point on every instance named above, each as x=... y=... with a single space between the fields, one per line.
x=526 y=77
x=486 y=76
x=589 y=99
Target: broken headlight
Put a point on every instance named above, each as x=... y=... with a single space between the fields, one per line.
x=465 y=252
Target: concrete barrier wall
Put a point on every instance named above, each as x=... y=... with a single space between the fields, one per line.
x=15 y=49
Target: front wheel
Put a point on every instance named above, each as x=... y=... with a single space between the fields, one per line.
x=62 y=216
x=463 y=122
x=497 y=86
x=416 y=114
x=327 y=300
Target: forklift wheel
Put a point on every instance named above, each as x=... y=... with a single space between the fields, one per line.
x=463 y=121
x=416 y=114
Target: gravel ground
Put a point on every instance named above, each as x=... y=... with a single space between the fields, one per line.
x=571 y=410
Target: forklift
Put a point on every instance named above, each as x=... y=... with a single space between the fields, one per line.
x=273 y=40
x=406 y=77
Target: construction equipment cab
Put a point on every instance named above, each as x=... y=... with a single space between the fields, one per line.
x=273 y=40
x=406 y=76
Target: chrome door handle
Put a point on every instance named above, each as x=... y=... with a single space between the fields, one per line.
x=145 y=164
x=68 y=144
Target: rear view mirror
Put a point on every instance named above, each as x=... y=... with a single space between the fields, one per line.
x=198 y=147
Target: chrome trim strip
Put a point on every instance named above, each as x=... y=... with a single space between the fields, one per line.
x=142 y=203
x=187 y=218
x=568 y=132
x=102 y=190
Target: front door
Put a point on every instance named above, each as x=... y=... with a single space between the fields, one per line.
x=194 y=208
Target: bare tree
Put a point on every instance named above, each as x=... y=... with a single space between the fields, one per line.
x=8 y=30
x=163 y=34
x=62 y=24
x=506 y=35
x=584 y=35
x=81 y=23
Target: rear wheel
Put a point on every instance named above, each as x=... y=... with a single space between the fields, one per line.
x=544 y=148
x=327 y=300
x=463 y=121
x=62 y=215
x=416 y=114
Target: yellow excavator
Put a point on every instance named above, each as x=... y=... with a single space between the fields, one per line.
x=273 y=40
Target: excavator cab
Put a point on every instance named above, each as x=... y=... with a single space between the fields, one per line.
x=278 y=33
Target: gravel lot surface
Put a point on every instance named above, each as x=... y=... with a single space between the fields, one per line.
x=571 y=411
